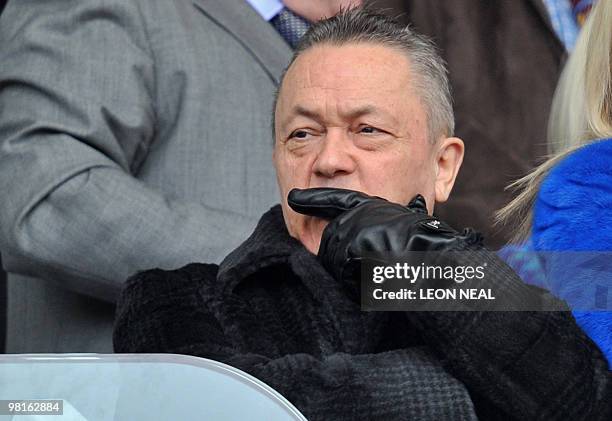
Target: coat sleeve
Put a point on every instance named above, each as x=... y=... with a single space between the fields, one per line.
x=166 y=312
x=77 y=119
x=522 y=364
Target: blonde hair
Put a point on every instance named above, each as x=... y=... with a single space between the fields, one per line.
x=581 y=112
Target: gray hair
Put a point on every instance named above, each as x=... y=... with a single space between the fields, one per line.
x=364 y=26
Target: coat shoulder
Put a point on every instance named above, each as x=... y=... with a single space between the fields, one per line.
x=162 y=310
x=156 y=283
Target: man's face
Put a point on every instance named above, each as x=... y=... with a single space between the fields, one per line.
x=348 y=117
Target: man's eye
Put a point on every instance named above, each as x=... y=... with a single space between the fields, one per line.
x=298 y=134
x=369 y=129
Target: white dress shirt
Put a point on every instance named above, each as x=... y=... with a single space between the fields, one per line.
x=267 y=8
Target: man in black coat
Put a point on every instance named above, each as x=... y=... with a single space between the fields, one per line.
x=364 y=124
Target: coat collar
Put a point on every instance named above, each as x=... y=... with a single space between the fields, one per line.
x=271 y=247
x=270 y=244
x=542 y=12
x=252 y=31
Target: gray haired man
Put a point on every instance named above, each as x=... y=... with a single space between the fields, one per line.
x=362 y=126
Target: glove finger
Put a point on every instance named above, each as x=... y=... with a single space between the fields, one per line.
x=325 y=202
x=418 y=204
x=333 y=252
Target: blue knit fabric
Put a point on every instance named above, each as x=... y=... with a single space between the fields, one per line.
x=573 y=219
x=573 y=211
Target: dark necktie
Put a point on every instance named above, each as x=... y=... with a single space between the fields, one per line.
x=290 y=26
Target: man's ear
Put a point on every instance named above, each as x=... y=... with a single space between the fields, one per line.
x=448 y=161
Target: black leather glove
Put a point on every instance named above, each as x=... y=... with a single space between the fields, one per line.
x=363 y=225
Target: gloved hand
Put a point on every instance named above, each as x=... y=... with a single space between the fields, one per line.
x=364 y=225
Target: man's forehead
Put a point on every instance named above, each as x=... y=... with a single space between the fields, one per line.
x=349 y=72
x=359 y=77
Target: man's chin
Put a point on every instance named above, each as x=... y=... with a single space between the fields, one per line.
x=313 y=231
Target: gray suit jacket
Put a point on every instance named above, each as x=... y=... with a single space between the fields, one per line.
x=133 y=134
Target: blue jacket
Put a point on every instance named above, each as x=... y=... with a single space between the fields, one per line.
x=572 y=237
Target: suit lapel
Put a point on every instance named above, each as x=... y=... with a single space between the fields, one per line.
x=253 y=32
x=542 y=11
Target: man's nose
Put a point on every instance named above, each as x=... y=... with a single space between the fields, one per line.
x=335 y=156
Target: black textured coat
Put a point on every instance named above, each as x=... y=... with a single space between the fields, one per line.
x=272 y=310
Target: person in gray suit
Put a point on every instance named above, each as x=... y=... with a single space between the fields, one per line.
x=133 y=134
